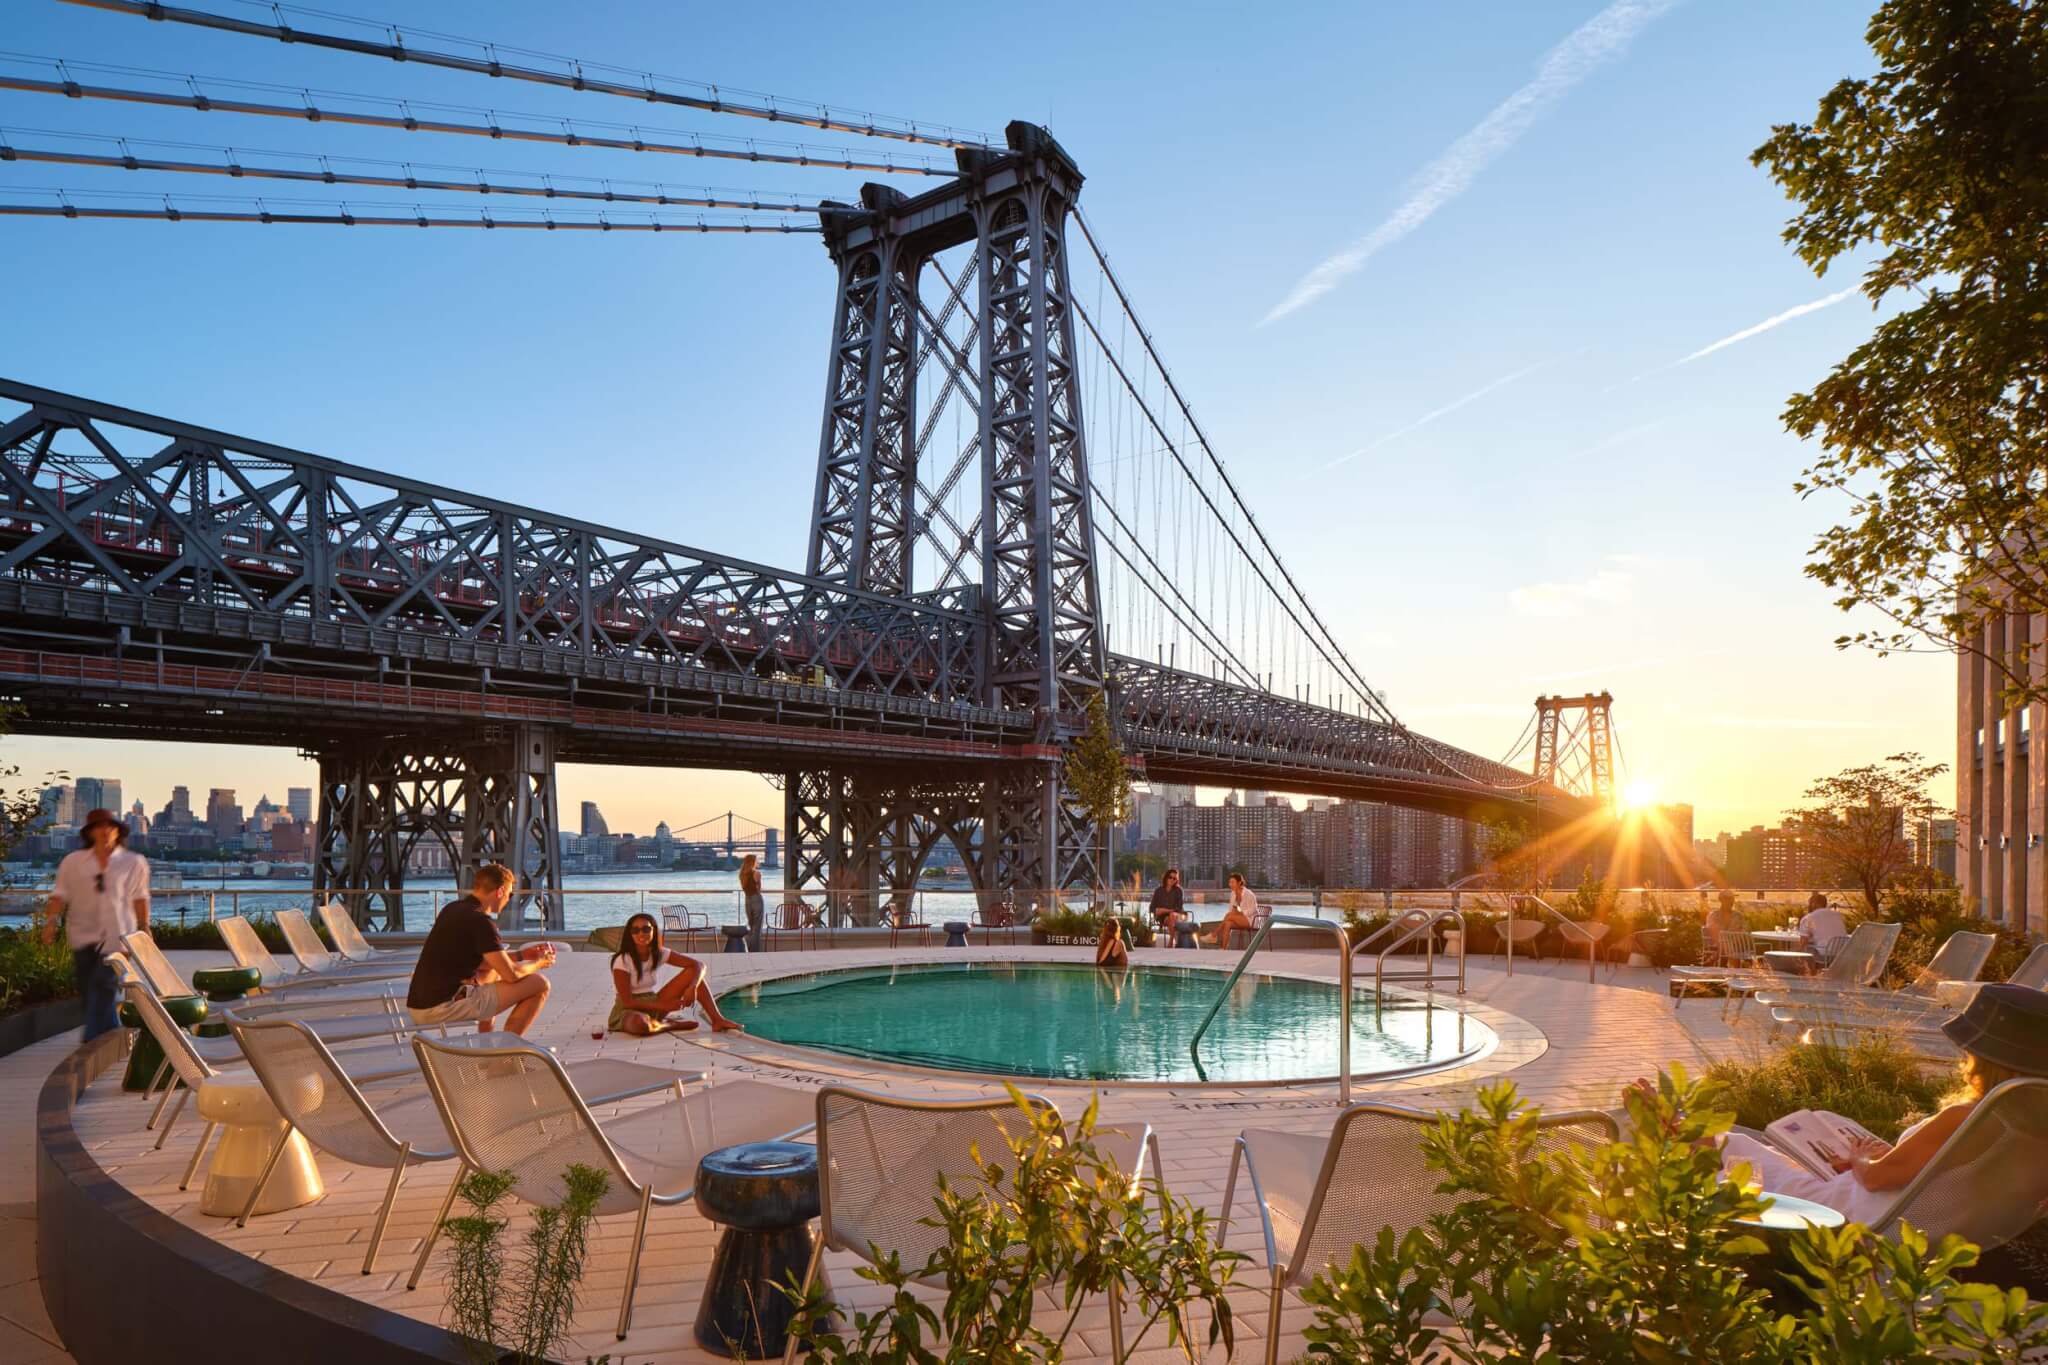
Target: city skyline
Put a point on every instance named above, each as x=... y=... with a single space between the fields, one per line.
x=1499 y=471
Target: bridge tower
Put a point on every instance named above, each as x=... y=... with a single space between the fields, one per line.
x=1575 y=745
x=1017 y=828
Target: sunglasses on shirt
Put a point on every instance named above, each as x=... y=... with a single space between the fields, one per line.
x=99 y=882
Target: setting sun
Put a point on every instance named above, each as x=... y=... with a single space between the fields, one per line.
x=1639 y=793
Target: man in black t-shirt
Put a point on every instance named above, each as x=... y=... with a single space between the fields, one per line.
x=465 y=973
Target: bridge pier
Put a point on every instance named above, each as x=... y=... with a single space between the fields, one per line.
x=870 y=833
x=490 y=799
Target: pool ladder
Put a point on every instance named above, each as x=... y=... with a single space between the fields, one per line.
x=1407 y=927
x=1343 y=994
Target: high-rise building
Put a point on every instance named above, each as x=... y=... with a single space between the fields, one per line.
x=223 y=815
x=96 y=793
x=594 y=826
x=180 y=808
x=2001 y=842
x=299 y=801
x=1934 y=845
x=137 y=821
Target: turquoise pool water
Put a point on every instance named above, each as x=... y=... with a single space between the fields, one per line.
x=1062 y=1021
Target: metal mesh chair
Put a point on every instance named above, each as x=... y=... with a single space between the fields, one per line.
x=314 y=959
x=518 y=1110
x=902 y=918
x=156 y=969
x=248 y=951
x=1319 y=1197
x=1989 y=1181
x=1521 y=931
x=349 y=940
x=880 y=1158
x=793 y=918
x=1857 y=964
x=317 y=1096
x=999 y=918
x=1919 y=1002
x=680 y=923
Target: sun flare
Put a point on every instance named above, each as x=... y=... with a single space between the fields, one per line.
x=1639 y=793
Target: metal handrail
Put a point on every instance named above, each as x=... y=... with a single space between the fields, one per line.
x=1564 y=921
x=1427 y=926
x=1389 y=927
x=1343 y=993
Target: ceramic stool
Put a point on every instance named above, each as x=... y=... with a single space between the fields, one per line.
x=956 y=933
x=765 y=1194
x=736 y=937
x=146 y=1058
x=1184 y=935
x=249 y=1128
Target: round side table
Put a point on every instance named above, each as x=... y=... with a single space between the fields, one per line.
x=148 y=1056
x=765 y=1194
x=736 y=938
x=956 y=933
x=1184 y=935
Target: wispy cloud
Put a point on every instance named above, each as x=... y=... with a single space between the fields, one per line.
x=1428 y=417
x=1604 y=587
x=1734 y=338
x=1777 y=320
x=1610 y=441
x=1787 y=723
x=1603 y=37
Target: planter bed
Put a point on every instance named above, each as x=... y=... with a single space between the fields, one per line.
x=27 y=1027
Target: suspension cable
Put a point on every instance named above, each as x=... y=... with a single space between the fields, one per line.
x=805 y=113
x=342 y=216
x=493 y=124
x=239 y=169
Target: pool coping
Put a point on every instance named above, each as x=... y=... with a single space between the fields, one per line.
x=1516 y=1041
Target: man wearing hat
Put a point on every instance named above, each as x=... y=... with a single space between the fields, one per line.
x=2003 y=1035
x=102 y=892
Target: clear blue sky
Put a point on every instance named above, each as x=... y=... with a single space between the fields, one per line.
x=1605 y=517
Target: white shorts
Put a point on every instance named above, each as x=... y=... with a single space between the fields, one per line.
x=472 y=1004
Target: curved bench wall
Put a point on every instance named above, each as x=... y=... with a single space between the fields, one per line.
x=124 y=1282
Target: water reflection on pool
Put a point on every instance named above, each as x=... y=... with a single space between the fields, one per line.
x=1066 y=1021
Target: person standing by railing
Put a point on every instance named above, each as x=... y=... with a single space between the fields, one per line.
x=750 y=892
x=102 y=892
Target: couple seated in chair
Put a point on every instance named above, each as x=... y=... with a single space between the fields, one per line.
x=2003 y=1035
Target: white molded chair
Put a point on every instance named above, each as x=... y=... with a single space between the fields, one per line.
x=350 y=943
x=1319 y=1197
x=316 y=1096
x=880 y=1158
x=518 y=1110
x=315 y=961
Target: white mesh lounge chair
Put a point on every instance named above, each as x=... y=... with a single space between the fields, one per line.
x=880 y=1158
x=315 y=1095
x=1918 y=1003
x=2032 y=973
x=1318 y=1197
x=336 y=1018
x=197 y=1061
x=350 y=943
x=518 y=1110
x=1856 y=966
x=316 y=961
x=248 y=951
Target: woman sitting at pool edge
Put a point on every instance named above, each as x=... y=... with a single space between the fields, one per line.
x=641 y=1009
x=1110 y=950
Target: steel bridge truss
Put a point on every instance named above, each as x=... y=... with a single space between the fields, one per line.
x=1034 y=539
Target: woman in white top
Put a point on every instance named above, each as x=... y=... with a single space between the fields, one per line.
x=2003 y=1033
x=1242 y=914
x=641 y=1008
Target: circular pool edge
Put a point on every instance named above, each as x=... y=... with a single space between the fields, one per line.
x=1499 y=1023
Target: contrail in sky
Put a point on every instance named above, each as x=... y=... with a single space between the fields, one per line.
x=1428 y=417
x=1603 y=37
x=1777 y=320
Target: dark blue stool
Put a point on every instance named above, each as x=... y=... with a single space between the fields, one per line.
x=765 y=1194
x=1184 y=935
x=736 y=937
x=956 y=933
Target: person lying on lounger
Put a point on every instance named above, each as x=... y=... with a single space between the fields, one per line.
x=640 y=1007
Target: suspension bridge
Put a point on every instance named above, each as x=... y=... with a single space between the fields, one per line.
x=1015 y=512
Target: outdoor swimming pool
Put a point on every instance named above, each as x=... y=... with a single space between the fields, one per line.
x=1064 y=1021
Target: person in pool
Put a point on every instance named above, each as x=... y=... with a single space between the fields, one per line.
x=641 y=1008
x=1110 y=949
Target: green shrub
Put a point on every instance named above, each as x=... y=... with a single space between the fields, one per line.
x=1062 y=922
x=1636 y=1251
x=1047 y=1214
x=32 y=972
x=529 y=1313
x=1875 y=1080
